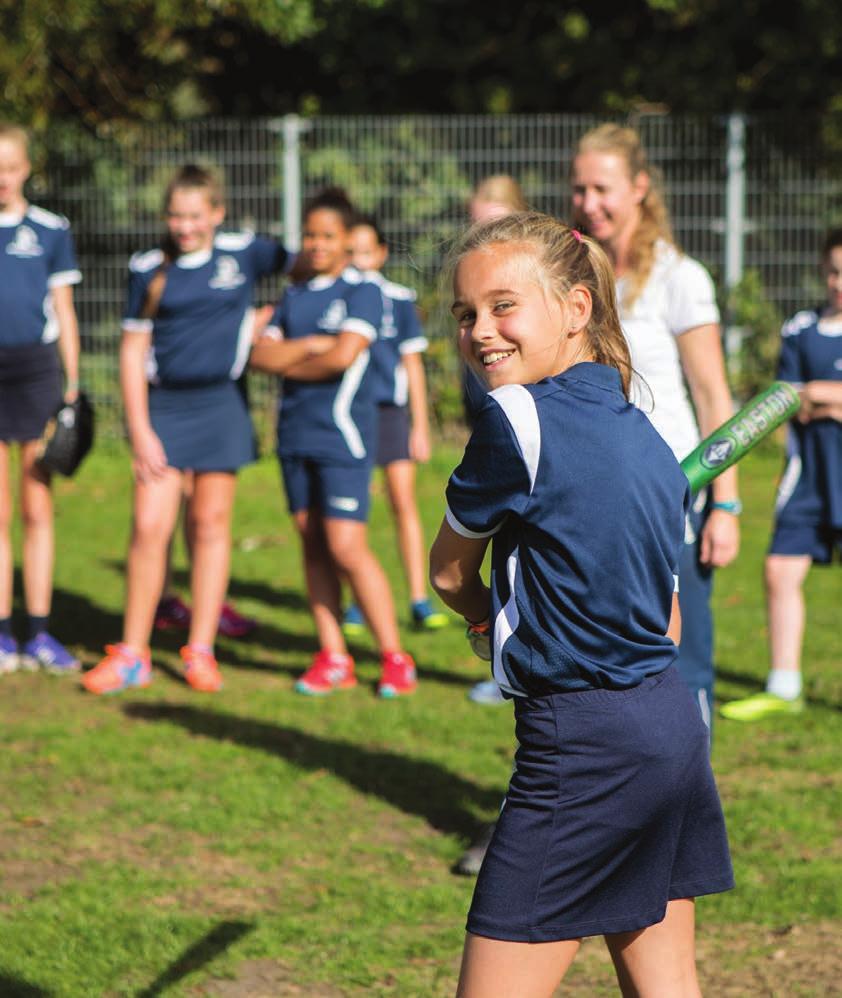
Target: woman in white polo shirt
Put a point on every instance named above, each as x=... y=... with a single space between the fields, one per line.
x=670 y=317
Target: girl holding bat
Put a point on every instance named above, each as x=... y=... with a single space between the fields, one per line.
x=612 y=823
x=667 y=306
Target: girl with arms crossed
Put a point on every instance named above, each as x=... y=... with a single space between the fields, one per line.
x=39 y=335
x=612 y=823
x=190 y=302
x=326 y=439
x=669 y=314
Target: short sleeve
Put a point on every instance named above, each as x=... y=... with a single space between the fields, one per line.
x=790 y=367
x=411 y=338
x=364 y=310
x=494 y=477
x=275 y=326
x=691 y=298
x=64 y=268
x=136 y=289
x=269 y=257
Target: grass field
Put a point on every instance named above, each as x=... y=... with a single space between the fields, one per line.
x=258 y=843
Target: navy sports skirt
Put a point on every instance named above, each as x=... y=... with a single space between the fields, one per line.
x=612 y=811
x=203 y=427
x=392 y=434
x=30 y=390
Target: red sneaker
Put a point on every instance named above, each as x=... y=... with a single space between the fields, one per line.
x=121 y=669
x=201 y=670
x=330 y=671
x=233 y=624
x=172 y=614
x=398 y=675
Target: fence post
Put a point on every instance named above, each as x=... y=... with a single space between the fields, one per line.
x=735 y=222
x=291 y=128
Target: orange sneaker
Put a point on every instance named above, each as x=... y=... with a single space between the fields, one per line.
x=121 y=669
x=398 y=675
x=331 y=670
x=201 y=670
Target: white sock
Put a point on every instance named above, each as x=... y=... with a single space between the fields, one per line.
x=784 y=683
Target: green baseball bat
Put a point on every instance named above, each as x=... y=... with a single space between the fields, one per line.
x=735 y=438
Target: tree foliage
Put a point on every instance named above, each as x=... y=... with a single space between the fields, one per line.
x=121 y=61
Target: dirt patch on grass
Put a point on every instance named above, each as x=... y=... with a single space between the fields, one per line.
x=740 y=961
x=265 y=979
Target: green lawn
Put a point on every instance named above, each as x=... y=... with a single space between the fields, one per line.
x=260 y=843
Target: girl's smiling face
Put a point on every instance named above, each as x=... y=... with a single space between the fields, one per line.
x=606 y=200
x=324 y=242
x=512 y=329
x=192 y=219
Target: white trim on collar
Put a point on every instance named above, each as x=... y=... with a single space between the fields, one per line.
x=194 y=260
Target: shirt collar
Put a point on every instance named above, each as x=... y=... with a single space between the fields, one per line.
x=191 y=261
x=598 y=375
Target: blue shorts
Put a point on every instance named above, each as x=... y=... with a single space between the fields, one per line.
x=612 y=811
x=817 y=540
x=204 y=427
x=30 y=390
x=339 y=491
x=392 y=434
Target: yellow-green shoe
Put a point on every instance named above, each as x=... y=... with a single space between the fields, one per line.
x=353 y=622
x=760 y=706
x=425 y=618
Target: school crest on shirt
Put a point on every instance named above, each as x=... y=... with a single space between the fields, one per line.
x=227 y=275
x=25 y=243
x=333 y=316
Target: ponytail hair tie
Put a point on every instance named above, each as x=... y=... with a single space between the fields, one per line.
x=577 y=235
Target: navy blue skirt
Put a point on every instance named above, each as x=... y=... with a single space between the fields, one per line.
x=30 y=390
x=204 y=427
x=612 y=811
x=392 y=434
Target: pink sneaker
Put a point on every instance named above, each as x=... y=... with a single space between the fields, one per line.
x=233 y=624
x=172 y=614
x=330 y=671
x=398 y=676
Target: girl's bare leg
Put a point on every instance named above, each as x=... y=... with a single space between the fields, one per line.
x=322 y=581
x=156 y=505
x=347 y=541
x=659 y=961
x=209 y=513
x=6 y=507
x=36 y=507
x=400 y=482
x=495 y=968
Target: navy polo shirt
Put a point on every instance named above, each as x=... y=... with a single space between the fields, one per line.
x=586 y=504
x=335 y=419
x=400 y=334
x=36 y=255
x=810 y=491
x=202 y=330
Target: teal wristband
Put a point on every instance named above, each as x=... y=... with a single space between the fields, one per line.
x=734 y=507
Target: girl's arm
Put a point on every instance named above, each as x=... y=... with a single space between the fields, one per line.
x=68 y=338
x=821 y=400
x=278 y=356
x=419 y=437
x=703 y=363
x=149 y=457
x=674 y=629
x=344 y=350
x=455 y=563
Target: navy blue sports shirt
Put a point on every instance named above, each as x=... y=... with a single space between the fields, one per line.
x=335 y=419
x=202 y=330
x=36 y=255
x=586 y=504
x=810 y=491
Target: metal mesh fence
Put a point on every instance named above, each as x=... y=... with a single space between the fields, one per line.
x=415 y=174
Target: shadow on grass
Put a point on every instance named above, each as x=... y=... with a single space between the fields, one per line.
x=196 y=956
x=13 y=987
x=416 y=786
